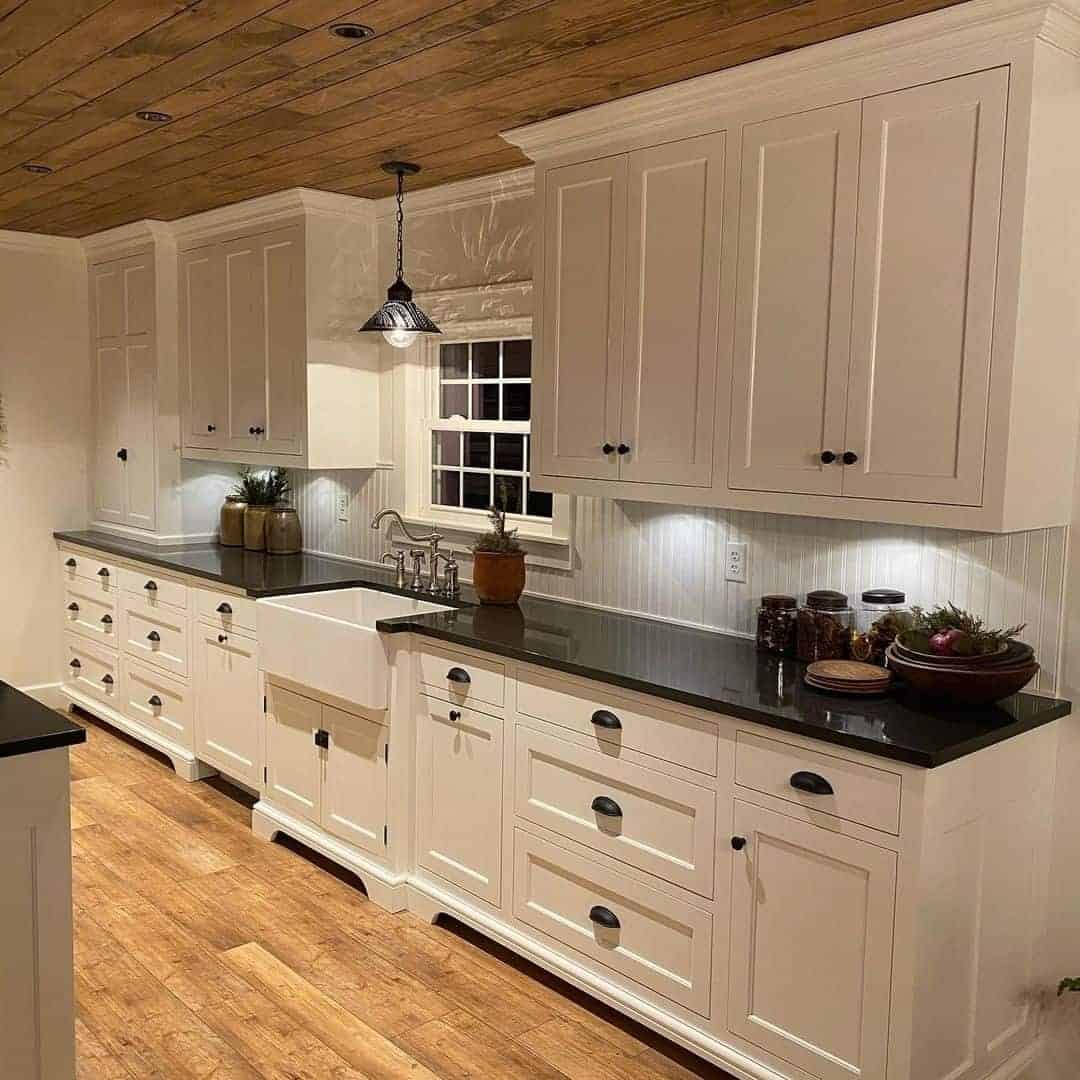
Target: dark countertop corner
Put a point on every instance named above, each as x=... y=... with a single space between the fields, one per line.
x=27 y=726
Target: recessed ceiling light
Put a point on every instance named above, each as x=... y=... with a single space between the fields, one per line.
x=352 y=31
x=37 y=168
x=152 y=116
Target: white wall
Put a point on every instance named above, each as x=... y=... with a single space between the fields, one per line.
x=45 y=385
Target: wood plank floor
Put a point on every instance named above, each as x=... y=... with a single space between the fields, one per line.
x=201 y=951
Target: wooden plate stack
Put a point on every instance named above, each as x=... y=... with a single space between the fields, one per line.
x=847 y=677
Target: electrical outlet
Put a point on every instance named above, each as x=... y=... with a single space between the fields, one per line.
x=343 y=506
x=735 y=563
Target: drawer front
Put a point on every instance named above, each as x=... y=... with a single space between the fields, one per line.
x=90 y=612
x=853 y=791
x=225 y=611
x=463 y=680
x=158 y=702
x=614 y=721
x=156 y=635
x=654 y=939
x=91 y=671
x=154 y=588
x=655 y=822
x=77 y=566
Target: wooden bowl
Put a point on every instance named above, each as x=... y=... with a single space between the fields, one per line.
x=979 y=685
x=918 y=655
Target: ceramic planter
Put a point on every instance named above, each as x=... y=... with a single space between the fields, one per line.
x=255 y=528
x=498 y=577
x=231 y=533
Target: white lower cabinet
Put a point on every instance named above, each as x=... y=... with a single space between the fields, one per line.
x=158 y=702
x=811 y=944
x=293 y=765
x=459 y=797
x=228 y=726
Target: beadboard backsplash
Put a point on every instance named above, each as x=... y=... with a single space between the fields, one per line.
x=667 y=562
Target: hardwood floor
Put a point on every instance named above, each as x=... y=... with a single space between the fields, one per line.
x=201 y=951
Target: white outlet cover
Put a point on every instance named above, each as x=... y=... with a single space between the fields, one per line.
x=343 y=507
x=735 y=563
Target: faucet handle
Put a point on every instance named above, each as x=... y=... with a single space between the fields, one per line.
x=451 y=586
x=417 y=556
x=398 y=559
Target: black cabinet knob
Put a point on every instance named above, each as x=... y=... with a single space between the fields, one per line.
x=322 y=739
x=153 y=636
x=71 y=564
x=459 y=676
x=75 y=663
x=224 y=609
x=604 y=719
x=222 y=639
x=827 y=457
x=738 y=842
x=154 y=702
x=103 y=572
x=607 y=807
x=122 y=453
x=255 y=430
x=622 y=448
x=850 y=457
x=211 y=427
x=608 y=448
x=811 y=783
x=107 y=680
x=605 y=917
x=455 y=716
x=73 y=606
x=150 y=586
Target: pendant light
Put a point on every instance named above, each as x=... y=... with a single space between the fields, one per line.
x=399 y=319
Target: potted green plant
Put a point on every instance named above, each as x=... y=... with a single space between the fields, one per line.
x=260 y=491
x=498 y=561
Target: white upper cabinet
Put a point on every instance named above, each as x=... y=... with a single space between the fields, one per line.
x=272 y=370
x=799 y=184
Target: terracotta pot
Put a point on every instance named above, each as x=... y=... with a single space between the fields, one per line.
x=231 y=533
x=498 y=577
x=255 y=528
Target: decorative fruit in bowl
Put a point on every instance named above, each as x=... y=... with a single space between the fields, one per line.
x=944 y=641
x=948 y=632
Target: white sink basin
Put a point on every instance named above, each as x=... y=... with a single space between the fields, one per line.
x=328 y=640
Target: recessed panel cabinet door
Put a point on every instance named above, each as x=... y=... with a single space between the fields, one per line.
x=580 y=371
x=800 y=179
x=111 y=393
x=354 y=785
x=284 y=284
x=459 y=797
x=929 y=207
x=229 y=713
x=811 y=945
x=293 y=759
x=202 y=347
x=675 y=198
x=245 y=343
x=140 y=466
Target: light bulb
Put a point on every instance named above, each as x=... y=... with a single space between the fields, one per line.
x=400 y=339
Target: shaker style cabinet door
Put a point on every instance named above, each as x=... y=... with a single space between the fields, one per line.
x=245 y=344
x=929 y=207
x=229 y=708
x=675 y=198
x=293 y=757
x=811 y=944
x=354 y=780
x=798 y=196
x=204 y=383
x=582 y=321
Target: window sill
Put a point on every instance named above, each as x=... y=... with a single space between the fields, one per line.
x=450 y=526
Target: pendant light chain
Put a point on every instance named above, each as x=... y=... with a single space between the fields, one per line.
x=400 y=225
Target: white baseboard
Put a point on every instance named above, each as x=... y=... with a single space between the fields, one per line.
x=49 y=694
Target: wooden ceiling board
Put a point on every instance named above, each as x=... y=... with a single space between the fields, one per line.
x=264 y=97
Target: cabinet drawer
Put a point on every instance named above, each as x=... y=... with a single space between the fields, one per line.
x=648 y=819
x=860 y=793
x=157 y=635
x=91 y=670
x=225 y=611
x=654 y=939
x=89 y=568
x=614 y=721
x=464 y=680
x=154 y=588
x=91 y=613
x=157 y=701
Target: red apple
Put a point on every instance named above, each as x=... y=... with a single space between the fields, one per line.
x=943 y=641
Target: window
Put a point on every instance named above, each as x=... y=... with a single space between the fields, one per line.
x=479 y=430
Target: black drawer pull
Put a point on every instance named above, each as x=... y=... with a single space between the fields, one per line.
x=459 y=675
x=76 y=663
x=608 y=807
x=107 y=680
x=455 y=716
x=71 y=564
x=103 y=572
x=73 y=606
x=224 y=609
x=738 y=842
x=322 y=739
x=153 y=636
x=154 y=702
x=603 y=718
x=605 y=917
x=222 y=639
x=150 y=586
x=107 y=620
x=811 y=783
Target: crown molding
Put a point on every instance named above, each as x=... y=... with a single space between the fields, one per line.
x=269 y=210
x=39 y=242
x=922 y=39
x=478 y=191
x=115 y=243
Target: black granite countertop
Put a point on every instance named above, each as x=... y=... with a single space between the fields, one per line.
x=27 y=726
x=718 y=672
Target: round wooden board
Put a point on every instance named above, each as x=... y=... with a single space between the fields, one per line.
x=852 y=672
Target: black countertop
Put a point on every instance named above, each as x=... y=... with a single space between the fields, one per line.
x=27 y=726
x=702 y=668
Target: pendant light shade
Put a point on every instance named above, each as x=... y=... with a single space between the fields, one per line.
x=399 y=320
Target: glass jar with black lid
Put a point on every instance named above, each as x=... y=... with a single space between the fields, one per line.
x=824 y=626
x=883 y=614
x=776 y=624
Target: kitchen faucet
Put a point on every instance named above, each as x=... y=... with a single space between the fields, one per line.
x=433 y=539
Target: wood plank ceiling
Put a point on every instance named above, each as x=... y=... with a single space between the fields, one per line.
x=262 y=95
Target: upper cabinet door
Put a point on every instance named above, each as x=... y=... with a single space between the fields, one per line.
x=285 y=350
x=205 y=391
x=110 y=401
x=675 y=199
x=245 y=343
x=798 y=193
x=929 y=206
x=580 y=372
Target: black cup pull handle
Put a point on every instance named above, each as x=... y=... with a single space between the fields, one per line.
x=150 y=586
x=605 y=917
x=103 y=572
x=459 y=675
x=106 y=620
x=849 y=457
x=608 y=807
x=622 y=449
x=738 y=842
x=224 y=609
x=153 y=636
x=107 y=680
x=73 y=606
x=154 y=702
x=71 y=564
x=122 y=453
x=455 y=716
x=604 y=719
x=811 y=783
x=828 y=457
x=211 y=428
